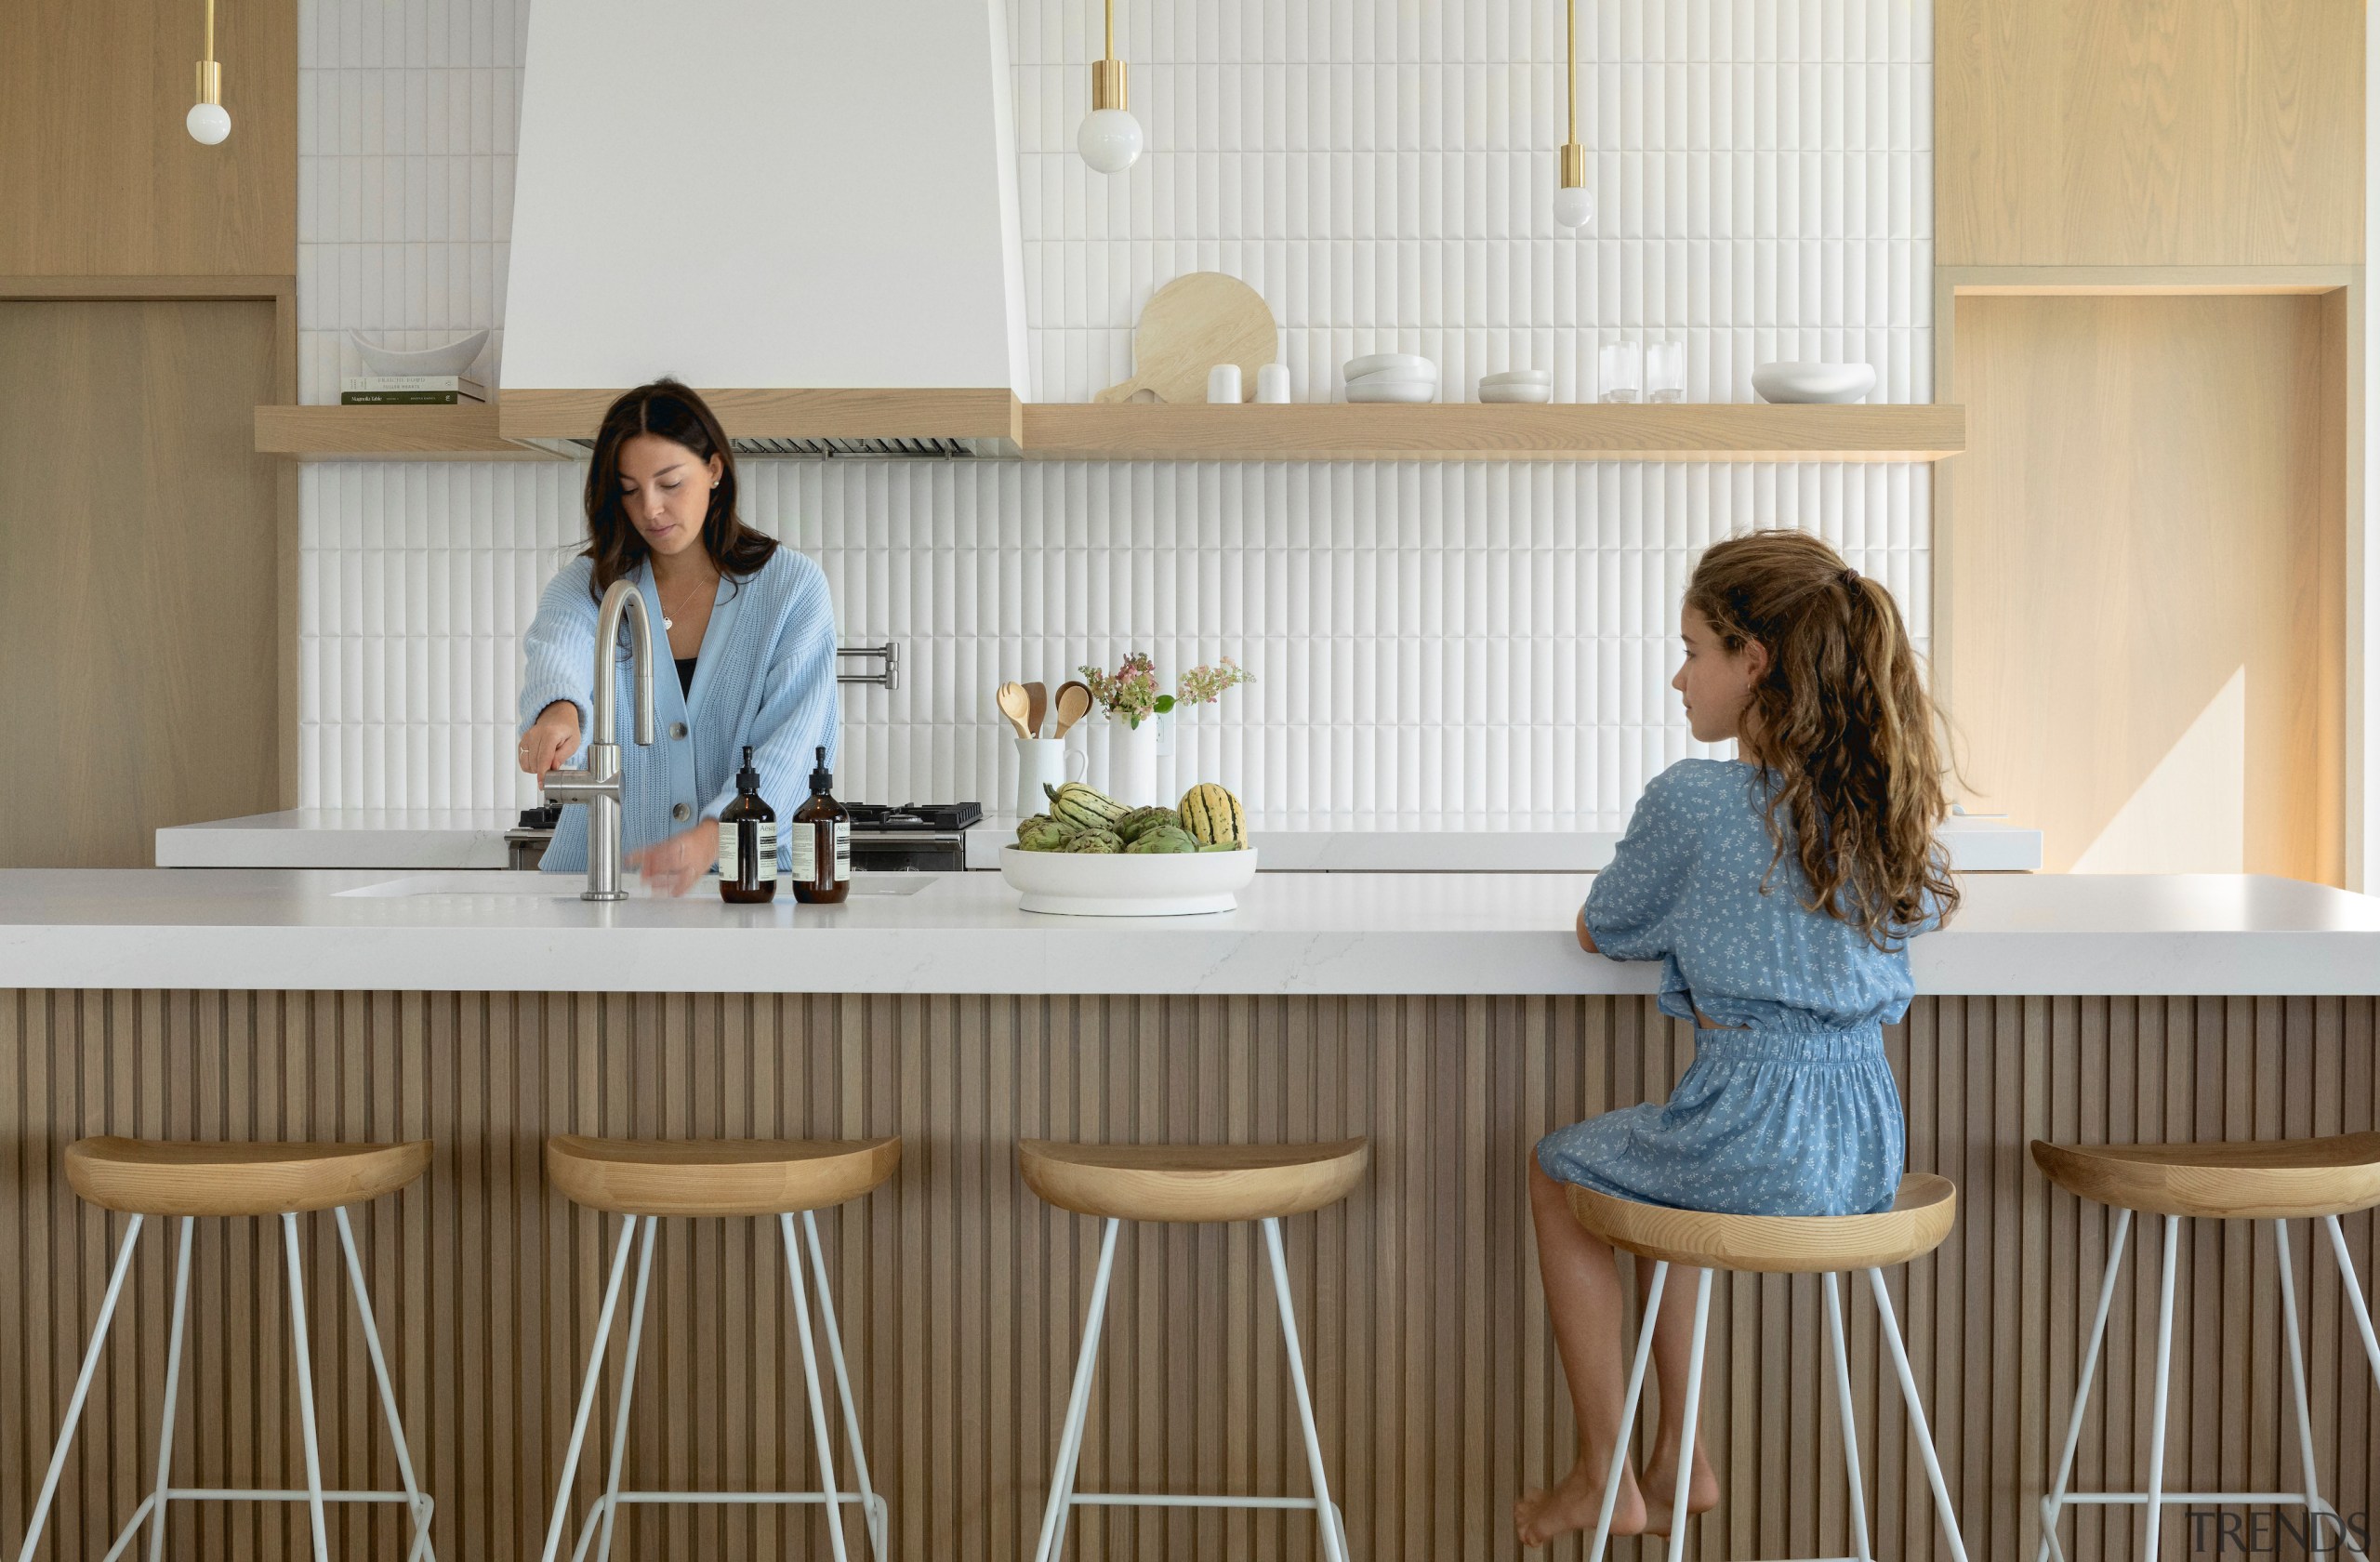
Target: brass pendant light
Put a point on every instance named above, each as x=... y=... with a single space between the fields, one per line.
x=1573 y=206
x=1110 y=138
x=208 y=122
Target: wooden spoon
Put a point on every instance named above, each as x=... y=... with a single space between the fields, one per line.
x=1013 y=705
x=1074 y=704
x=1036 y=705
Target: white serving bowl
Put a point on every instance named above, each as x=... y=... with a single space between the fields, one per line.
x=1532 y=394
x=1374 y=362
x=1373 y=387
x=1120 y=884
x=1517 y=376
x=1813 y=382
x=452 y=359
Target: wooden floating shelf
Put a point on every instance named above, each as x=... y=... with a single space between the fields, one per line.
x=536 y=425
x=1475 y=431
x=390 y=434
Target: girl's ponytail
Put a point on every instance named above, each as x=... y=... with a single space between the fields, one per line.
x=1844 y=724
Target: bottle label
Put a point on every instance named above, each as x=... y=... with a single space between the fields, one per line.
x=843 y=851
x=757 y=837
x=802 y=845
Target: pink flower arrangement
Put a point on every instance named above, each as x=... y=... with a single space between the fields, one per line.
x=1130 y=695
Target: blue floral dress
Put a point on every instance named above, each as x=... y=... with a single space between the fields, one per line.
x=1791 y=1112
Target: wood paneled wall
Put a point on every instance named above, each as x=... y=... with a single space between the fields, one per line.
x=102 y=178
x=2144 y=650
x=2147 y=132
x=141 y=612
x=1436 y=1383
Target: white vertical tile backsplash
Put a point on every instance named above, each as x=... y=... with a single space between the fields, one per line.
x=1454 y=644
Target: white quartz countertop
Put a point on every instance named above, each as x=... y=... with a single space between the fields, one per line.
x=1294 y=933
x=423 y=838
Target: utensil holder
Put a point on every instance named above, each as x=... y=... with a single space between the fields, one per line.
x=1043 y=761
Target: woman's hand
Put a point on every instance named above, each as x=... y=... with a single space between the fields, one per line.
x=550 y=740
x=673 y=866
x=1586 y=939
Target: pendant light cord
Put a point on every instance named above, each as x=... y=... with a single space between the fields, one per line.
x=1111 y=27
x=1569 y=78
x=210 y=31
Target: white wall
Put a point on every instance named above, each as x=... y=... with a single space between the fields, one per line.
x=1436 y=643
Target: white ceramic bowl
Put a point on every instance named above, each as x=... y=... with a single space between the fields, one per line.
x=1531 y=394
x=1396 y=377
x=1813 y=382
x=1517 y=376
x=452 y=359
x=1376 y=363
x=1120 y=884
x=1374 y=389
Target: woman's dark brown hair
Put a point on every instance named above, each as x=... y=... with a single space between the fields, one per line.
x=675 y=413
x=1843 y=724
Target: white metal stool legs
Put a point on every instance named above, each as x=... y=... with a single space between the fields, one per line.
x=596 y=1535
x=82 y=1388
x=2157 y=1499
x=1842 y=1413
x=151 y=1510
x=1650 y=1310
x=2355 y=1295
x=1062 y=1473
x=1690 y=1412
x=1063 y=1496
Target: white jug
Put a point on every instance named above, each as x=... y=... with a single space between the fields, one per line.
x=1043 y=761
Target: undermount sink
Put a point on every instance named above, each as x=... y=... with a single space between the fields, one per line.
x=568 y=886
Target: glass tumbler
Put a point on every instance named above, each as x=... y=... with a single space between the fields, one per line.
x=1622 y=371
x=1665 y=371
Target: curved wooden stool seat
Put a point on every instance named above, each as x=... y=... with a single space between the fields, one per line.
x=2276 y=1180
x=181 y=1181
x=1921 y=1217
x=200 y=1177
x=717 y=1176
x=787 y=1180
x=1192 y=1182
x=1188 y=1182
x=1921 y=1214
x=2265 y=1179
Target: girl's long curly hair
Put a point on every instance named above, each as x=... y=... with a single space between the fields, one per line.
x=1842 y=724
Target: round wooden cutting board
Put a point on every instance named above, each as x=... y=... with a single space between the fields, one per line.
x=1192 y=323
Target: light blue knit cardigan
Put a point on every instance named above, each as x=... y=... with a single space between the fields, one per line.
x=765 y=677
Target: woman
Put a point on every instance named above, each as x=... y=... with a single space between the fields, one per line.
x=749 y=624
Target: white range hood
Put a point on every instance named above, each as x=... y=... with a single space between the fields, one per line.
x=767 y=196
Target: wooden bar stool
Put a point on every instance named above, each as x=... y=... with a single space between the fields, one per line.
x=1201 y=1183
x=1919 y=1219
x=184 y=1180
x=2274 y=1180
x=645 y=1179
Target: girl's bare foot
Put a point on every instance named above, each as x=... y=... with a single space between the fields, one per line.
x=1659 y=1486
x=1573 y=1503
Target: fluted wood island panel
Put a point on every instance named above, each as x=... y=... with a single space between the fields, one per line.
x=1435 y=1378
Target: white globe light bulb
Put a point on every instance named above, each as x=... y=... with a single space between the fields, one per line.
x=1109 y=140
x=208 y=124
x=1573 y=206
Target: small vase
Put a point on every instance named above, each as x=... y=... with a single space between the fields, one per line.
x=1132 y=763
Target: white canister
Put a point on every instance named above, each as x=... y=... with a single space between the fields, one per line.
x=1272 y=385
x=1223 y=383
x=1042 y=762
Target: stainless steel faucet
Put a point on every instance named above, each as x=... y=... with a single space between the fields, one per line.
x=597 y=784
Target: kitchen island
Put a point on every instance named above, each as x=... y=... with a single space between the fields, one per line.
x=1450 y=1018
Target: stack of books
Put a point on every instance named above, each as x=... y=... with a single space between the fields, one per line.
x=410 y=390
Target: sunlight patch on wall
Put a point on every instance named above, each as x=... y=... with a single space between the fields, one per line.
x=2189 y=814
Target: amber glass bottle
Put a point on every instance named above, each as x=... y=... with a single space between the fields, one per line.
x=821 y=843
x=748 y=843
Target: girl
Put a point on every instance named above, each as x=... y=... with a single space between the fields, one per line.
x=1778 y=890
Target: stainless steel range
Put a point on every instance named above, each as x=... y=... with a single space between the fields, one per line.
x=915 y=837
